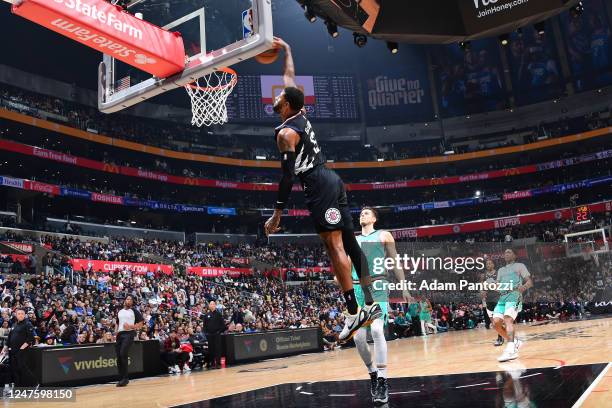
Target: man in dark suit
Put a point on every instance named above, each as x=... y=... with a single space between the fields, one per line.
x=20 y=338
x=214 y=325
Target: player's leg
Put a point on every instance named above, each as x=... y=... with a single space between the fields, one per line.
x=358 y=258
x=361 y=342
x=513 y=346
x=329 y=210
x=498 y=324
x=341 y=266
x=353 y=249
x=423 y=328
x=489 y=317
x=377 y=329
x=498 y=319
x=486 y=315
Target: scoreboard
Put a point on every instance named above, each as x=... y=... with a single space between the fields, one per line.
x=327 y=97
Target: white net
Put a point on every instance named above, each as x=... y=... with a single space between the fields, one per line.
x=208 y=96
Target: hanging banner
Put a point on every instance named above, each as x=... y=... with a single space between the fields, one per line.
x=117 y=266
x=19 y=246
x=201 y=182
x=213 y=272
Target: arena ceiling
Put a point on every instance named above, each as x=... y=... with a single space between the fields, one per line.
x=434 y=21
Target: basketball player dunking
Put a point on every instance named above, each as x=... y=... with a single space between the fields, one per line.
x=325 y=197
x=376 y=244
x=510 y=302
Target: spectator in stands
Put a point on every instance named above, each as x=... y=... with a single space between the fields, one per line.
x=401 y=325
x=172 y=354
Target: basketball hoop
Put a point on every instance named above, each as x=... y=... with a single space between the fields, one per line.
x=208 y=98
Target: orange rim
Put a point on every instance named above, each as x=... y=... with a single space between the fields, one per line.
x=219 y=87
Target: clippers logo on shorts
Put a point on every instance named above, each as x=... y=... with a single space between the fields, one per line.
x=332 y=216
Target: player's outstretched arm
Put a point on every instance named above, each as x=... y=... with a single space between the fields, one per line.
x=527 y=278
x=528 y=284
x=289 y=74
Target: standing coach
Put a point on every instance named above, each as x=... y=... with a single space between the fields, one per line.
x=19 y=339
x=129 y=321
x=214 y=325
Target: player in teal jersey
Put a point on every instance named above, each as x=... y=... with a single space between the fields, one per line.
x=425 y=316
x=516 y=279
x=490 y=297
x=376 y=244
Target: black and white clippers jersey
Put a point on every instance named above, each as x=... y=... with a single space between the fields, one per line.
x=307 y=153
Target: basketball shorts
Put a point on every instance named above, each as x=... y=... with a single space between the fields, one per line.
x=490 y=306
x=510 y=309
x=326 y=200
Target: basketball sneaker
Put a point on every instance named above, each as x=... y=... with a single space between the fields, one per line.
x=363 y=318
x=382 y=391
x=517 y=345
x=499 y=341
x=373 y=383
x=510 y=353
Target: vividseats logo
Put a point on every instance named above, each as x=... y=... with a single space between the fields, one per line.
x=490 y=7
x=67 y=363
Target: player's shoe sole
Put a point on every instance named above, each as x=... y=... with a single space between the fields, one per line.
x=352 y=324
x=507 y=357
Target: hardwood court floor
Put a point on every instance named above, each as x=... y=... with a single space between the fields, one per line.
x=470 y=351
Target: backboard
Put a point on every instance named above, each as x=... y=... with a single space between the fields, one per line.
x=216 y=34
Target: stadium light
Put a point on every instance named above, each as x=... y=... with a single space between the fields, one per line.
x=465 y=45
x=577 y=9
x=393 y=47
x=540 y=27
x=360 y=40
x=504 y=39
x=332 y=28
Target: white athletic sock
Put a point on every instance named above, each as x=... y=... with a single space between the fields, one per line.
x=361 y=341
x=382 y=372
